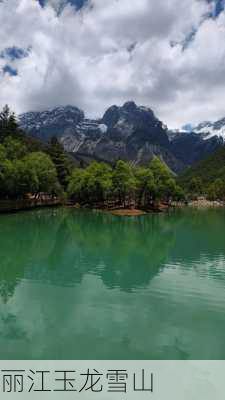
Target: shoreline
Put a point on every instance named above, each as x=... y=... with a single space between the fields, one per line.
x=14 y=206
x=203 y=203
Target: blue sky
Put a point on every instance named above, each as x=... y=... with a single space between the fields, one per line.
x=219 y=6
x=7 y=69
x=77 y=3
x=169 y=55
x=13 y=53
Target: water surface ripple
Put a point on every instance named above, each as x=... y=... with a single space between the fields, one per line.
x=88 y=285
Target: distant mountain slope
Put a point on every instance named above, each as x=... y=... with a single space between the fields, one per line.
x=209 y=129
x=55 y=122
x=130 y=132
x=208 y=170
x=190 y=147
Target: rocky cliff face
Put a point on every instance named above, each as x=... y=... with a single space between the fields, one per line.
x=129 y=132
x=128 y=120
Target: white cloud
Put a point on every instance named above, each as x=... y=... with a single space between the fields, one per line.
x=82 y=58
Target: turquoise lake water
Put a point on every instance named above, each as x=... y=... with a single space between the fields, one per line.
x=88 y=285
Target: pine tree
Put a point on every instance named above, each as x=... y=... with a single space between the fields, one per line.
x=8 y=123
x=61 y=161
x=4 y=119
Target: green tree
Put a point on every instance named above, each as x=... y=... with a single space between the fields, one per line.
x=2 y=153
x=15 y=148
x=40 y=174
x=211 y=192
x=216 y=190
x=7 y=174
x=145 y=186
x=165 y=183
x=220 y=188
x=23 y=170
x=61 y=161
x=77 y=185
x=124 y=182
x=8 y=123
x=4 y=119
x=91 y=185
x=8 y=179
x=195 y=186
x=99 y=181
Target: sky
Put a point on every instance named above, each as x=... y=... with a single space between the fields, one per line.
x=168 y=55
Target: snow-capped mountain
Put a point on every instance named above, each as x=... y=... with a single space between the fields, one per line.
x=209 y=129
x=54 y=122
x=129 y=132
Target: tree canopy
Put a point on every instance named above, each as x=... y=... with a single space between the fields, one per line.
x=124 y=185
x=26 y=167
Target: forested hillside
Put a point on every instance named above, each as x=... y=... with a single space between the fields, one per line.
x=206 y=177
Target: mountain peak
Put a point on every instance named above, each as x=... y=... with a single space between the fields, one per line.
x=128 y=132
x=130 y=106
x=209 y=129
x=51 y=122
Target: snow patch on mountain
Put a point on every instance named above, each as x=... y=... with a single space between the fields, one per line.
x=127 y=132
x=210 y=129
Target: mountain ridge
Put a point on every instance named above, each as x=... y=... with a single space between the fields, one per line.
x=209 y=129
x=129 y=132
